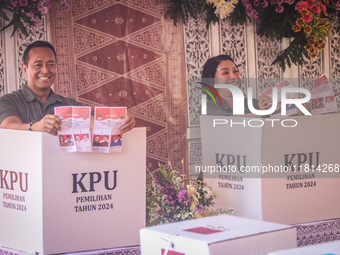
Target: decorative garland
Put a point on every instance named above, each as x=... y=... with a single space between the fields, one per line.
x=25 y=12
x=307 y=23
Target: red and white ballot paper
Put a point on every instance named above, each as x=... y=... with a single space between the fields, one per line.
x=74 y=134
x=107 y=135
x=290 y=109
x=323 y=99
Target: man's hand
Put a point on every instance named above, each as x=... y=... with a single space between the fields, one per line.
x=128 y=124
x=49 y=124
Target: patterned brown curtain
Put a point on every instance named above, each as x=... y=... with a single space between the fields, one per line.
x=125 y=53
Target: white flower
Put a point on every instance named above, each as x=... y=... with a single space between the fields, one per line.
x=207 y=190
x=224 y=7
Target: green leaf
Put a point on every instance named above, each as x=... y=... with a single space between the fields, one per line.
x=19 y=25
x=3 y=15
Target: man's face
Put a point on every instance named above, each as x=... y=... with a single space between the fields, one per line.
x=41 y=69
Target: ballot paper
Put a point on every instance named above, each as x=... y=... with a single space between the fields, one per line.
x=107 y=135
x=290 y=108
x=323 y=98
x=74 y=132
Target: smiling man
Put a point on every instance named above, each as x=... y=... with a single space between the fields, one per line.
x=32 y=107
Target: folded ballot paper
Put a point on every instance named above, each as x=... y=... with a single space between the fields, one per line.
x=323 y=99
x=290 y=108
x=75 y=134
x=107 y=136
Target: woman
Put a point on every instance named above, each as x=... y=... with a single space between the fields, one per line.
x=222 y=70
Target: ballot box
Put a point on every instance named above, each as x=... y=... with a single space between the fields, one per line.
x=330 y=248
x=279 y=170
x=53 y=202
x=223 y=234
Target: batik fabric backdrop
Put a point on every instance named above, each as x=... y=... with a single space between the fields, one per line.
x=125 y=53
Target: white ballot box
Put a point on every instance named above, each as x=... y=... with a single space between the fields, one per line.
x=331 y=248
x=284 y=171
x=54 y=202
x=224 y=234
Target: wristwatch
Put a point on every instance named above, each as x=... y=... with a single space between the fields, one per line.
x=30 y=127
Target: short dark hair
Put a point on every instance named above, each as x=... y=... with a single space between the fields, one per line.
x=210 y=67
x=37 y=44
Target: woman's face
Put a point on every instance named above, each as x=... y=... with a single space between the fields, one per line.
x=227 y=73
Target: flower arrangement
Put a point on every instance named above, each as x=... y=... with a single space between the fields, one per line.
x=25 y=12
x=170 y=197
x=307 y=23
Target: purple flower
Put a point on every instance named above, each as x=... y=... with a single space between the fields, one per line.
x=14 y=3
x=23 y=2
x=43 y=10
x=279 y=9
x=338 y=6
x=181 y=196
x=264 y=3
x=254 y=13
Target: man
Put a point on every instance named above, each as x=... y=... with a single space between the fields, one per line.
x=96 y=141
x=69 y=140
x=117 y=142
x=32 y=107
x=105 y=141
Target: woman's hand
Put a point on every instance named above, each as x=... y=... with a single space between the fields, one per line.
x=265 y=102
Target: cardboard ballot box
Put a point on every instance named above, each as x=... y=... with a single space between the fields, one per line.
x=224 y=234
x=283 y=170
x=331 y=248
x=54 y=202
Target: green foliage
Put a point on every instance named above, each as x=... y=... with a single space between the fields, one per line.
x=274 y=20
x=24 y=13
x=191 y=8
x=18 y=18
x=295 y=54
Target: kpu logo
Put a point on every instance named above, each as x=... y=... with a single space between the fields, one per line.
x=238 y=99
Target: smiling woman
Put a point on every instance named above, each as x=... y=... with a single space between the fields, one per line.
x=221 y=69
